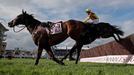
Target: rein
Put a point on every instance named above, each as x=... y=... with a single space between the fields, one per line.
x=22 y=27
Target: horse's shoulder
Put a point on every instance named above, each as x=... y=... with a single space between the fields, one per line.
x=40 y=29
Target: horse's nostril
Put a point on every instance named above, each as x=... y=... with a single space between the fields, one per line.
x=9 y=24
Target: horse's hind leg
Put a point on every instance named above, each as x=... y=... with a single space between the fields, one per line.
x=38 y=55
x=49 y=51
x=115 y=38
x=78 y=52
x=69 y=53
x=119 y=37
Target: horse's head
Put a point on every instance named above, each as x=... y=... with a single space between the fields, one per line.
x=23 y=19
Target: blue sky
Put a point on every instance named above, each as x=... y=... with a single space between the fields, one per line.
x=116 y=12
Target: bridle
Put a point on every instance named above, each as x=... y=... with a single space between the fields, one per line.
x=19 y=26
x=22 y=27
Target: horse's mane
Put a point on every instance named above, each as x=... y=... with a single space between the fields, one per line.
x=31 y=18
x=29 y=15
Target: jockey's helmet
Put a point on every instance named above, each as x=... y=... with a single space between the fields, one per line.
x=88 y=10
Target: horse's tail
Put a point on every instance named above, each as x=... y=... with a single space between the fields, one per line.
x=118 y=31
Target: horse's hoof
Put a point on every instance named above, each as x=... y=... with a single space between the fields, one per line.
x=76 y=62
x=62 y=60
x=61 y=63
x=72 y=59
x=36 y=64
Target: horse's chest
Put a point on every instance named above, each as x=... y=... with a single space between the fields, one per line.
x=38 y=34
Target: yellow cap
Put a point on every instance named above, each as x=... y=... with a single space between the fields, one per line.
x=88 y=10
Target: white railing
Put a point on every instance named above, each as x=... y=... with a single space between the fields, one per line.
x=124 y=59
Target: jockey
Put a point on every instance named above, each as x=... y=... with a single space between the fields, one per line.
x=92 y=16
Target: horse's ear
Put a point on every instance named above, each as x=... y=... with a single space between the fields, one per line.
x=23 y=12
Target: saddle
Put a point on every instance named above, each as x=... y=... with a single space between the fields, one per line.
x=53 y=28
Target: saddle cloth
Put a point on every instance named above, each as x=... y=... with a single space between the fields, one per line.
x=55 y=28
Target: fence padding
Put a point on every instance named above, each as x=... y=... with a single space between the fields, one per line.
x=124 y=47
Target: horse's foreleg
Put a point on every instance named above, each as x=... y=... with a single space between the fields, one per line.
x=49 y=51
x=78 y=52
x=38 y=55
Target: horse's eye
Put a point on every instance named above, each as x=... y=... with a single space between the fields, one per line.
x=18 y=16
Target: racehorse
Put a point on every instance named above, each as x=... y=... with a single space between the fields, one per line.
x=80 y=32
x=93 y=32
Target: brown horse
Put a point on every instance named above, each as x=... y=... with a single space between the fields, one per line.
x=77 y=30
x=92 y=32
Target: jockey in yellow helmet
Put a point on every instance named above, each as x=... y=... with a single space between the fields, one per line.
x=92 y=16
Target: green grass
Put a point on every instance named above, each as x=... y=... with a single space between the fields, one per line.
x=48 y=67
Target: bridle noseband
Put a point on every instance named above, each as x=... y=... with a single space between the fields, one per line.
x=22 y=27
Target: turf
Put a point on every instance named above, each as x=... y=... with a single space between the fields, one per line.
x=48 y=67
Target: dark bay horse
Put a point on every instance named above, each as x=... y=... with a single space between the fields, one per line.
x=93 y=32
x=80 y=32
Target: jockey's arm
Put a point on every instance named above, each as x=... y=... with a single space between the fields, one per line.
x=86 y=20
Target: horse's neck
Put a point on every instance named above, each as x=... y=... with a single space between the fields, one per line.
x=31 y=27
